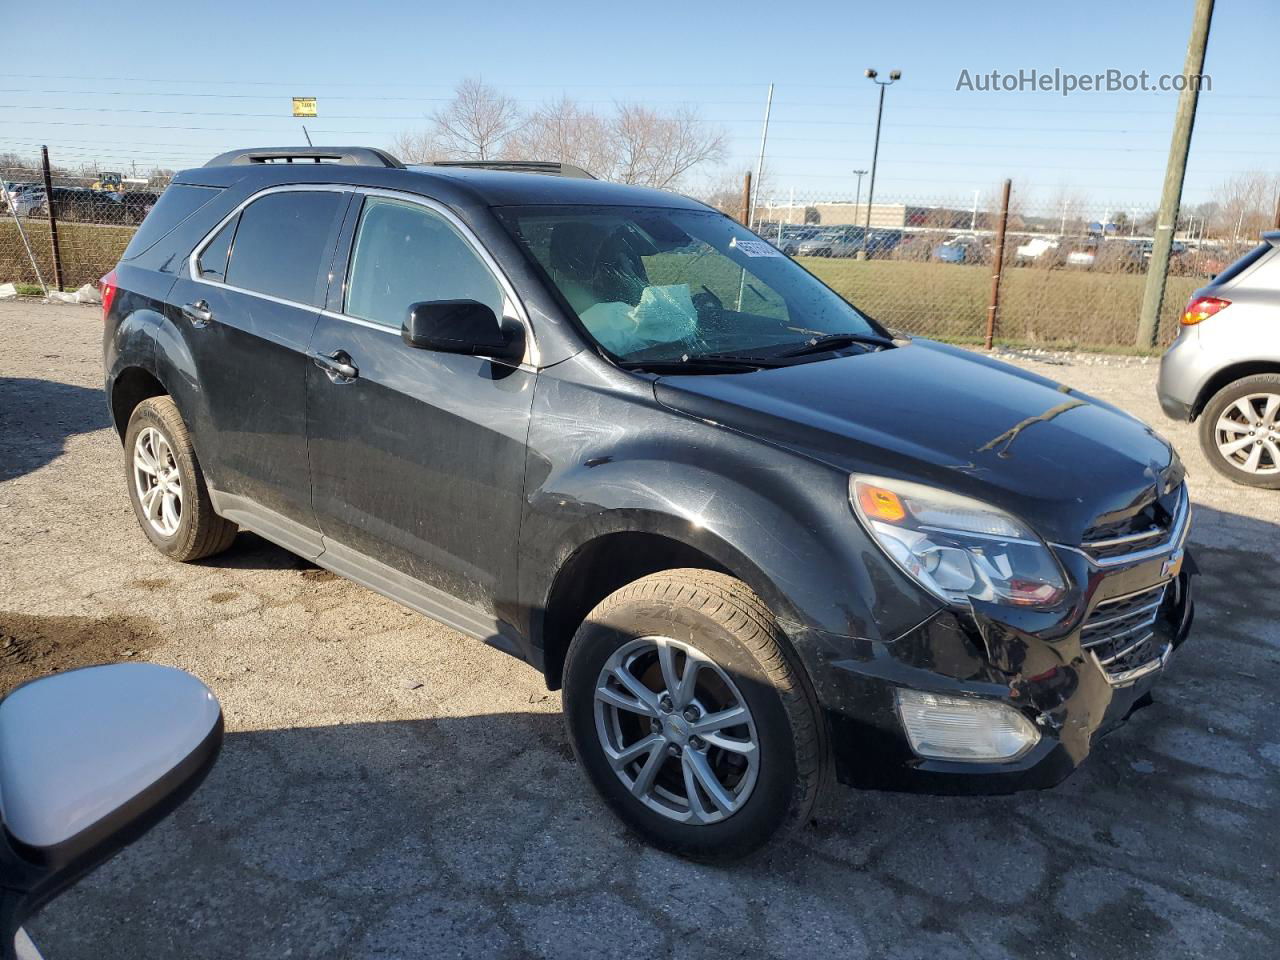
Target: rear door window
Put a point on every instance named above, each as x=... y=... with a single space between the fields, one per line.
x=284 y=243
x=177 y=203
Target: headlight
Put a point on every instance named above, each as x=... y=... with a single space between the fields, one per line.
x=955 y=547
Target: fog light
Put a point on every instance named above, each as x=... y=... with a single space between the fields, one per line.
x=959 y=728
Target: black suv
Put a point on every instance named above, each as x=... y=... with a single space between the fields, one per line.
x=756 y=537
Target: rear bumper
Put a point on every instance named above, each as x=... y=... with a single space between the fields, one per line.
x=1048 y=677
x=1184 y=369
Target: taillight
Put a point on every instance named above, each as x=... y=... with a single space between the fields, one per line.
x=1202 y=308
x=107 y=287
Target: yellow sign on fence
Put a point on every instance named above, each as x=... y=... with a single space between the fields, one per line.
x=304 y=106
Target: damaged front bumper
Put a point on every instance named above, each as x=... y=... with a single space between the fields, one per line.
x=1075 y=674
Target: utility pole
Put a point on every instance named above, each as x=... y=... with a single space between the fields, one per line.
x=997 y=267
x=857 y=196
x=764 y=136
x=1171 y=196
x=894 y=76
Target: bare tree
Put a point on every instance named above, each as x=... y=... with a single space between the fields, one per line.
x=658 y=149
x=417 y=147
x=474 y=125
x=565 y=132
x=636 y=144
x=1246 y=206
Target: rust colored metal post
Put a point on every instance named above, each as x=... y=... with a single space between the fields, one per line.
x=53 y=220
x=746 y=201
x=997 y=266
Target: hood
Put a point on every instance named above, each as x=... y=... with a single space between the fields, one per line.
x=1059 y=459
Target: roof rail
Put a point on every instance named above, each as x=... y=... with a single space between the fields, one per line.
x=354 y=156
x=545 y=167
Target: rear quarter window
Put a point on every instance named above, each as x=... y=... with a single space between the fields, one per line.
x=178 y=202
x=1243 y=264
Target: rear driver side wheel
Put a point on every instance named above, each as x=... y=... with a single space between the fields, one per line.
x=688 y=716
x=167 y=488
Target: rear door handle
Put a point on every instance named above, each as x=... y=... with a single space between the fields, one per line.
x=336 y=365
x=198 y=313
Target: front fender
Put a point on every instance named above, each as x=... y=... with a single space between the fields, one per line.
x=778 y=520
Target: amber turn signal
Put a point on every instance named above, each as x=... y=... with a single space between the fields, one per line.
x=880 y=504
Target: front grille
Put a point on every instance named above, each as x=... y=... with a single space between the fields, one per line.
x=1148 y=529
x=1120 y=634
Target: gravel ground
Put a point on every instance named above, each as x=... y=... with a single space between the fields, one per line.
x=389 y=788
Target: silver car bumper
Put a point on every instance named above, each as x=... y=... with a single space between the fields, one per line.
x=1184 y=369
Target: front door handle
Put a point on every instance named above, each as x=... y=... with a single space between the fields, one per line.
x=198 y=313
x=336 y=365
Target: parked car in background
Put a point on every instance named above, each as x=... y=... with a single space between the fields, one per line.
x=881 y=241
x=791 y=236
x=831 y=242
x=757 y=539
x=1177 y=249
x=846 y=241
x=1083 y=255
x=1037 y=250
x=13 y=191
x=135 y=205
x=962 y=249
x=30 y=202
x=1224 y=368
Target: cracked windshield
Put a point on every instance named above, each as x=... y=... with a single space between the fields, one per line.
x=653 y=284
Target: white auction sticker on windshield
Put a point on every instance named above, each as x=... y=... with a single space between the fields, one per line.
x=755 y=248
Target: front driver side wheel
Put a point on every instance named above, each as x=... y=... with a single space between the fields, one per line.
x=167 y=487
x=690 y=718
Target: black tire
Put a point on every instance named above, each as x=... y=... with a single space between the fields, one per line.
x=200 y=532
x=1221 y=403
x=729 y=625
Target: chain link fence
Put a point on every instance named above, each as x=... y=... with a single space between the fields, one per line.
x=93 y=215
x=1073 y=273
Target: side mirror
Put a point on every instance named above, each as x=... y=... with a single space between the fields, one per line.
x=462 y=326
x=90 y=760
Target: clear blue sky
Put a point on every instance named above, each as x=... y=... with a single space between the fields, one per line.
x=174 y=83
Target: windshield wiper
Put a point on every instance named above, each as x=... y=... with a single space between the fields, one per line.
x=833 y=341
x=700 y=363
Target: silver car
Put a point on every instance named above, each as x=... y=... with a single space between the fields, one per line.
x=832 y=242
x=1224 y=368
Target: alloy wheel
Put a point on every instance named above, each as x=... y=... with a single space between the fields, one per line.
x=1247 y=434
x=676 y=730
x=158 y=481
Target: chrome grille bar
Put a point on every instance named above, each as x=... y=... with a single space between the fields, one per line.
x=1107 y=634
x=1144 y=548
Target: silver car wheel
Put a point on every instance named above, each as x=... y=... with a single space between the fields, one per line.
x=676 y=730
x=1248 y=434
x=158 y=481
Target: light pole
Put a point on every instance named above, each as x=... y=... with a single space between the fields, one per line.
x=858 y=194
x=894 y=75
